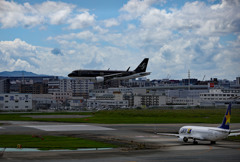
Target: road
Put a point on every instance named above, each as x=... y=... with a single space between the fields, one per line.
x=138 y=143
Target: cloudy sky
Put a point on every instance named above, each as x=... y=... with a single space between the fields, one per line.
x=57 y=37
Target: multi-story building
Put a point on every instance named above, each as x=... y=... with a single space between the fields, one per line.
x=43 y=101
x=149 y=100
x=140 y=82
x=61 y=97
x=4 y=86
x=238 y=81
x=219 y=97
x=53 y=86
x=104 y=104
x=81 y=87
x=183 y=101
x=65 y=85
x=77 y=103
x=35 y=88
x=15 y=102
x=108 y=98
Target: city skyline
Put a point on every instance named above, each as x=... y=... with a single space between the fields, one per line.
x=56 y=37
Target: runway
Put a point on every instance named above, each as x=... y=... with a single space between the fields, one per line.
x=138 y=142
x=68 y=127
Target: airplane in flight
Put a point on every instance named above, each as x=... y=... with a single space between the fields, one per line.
x=106 y=75
x=211 y=134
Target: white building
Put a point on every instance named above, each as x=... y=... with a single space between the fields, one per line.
x=219 y=97
x=15 y=102
x=102 y=104
x=61 y=97
x=53 y=86
x=43 y=101
x=77 y=102
x=65 y=85
x=108 y=98
x=149 y=100
x=184 y=93
x=183 y=101
x=81 y=87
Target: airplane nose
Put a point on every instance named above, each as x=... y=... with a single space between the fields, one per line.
x=70 y=75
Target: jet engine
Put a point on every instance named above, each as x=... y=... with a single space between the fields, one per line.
x=184 y=139
x=99 y=79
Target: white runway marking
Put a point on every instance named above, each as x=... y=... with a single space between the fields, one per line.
x=68 y=127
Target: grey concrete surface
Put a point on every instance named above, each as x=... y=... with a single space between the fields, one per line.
x=138 y=143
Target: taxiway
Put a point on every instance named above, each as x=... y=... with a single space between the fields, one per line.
x=138 y=143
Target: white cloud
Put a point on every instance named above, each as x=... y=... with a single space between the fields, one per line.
x=54 y=13
x=19 y=55
x=100 y=30
x=21 y=64
x=111 y=22
x=81 y=21
x=14 y=47
x=12 y=14
x=175 y=40
x=135 y=8
x=84 y=35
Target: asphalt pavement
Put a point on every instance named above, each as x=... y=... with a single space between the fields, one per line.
x=138 y=142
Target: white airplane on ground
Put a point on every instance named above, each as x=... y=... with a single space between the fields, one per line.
x=212 y=134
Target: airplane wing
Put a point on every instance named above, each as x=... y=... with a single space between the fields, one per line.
x=236 y=130
x=107 y=77
x=233 y=134
x=220 y=130
x=112 y=75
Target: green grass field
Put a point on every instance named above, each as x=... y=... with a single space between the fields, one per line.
x=49 y=142
x=134 y=116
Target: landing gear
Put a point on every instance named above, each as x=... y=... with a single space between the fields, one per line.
x=185 y=139
x=195 y=142
x=213 y=142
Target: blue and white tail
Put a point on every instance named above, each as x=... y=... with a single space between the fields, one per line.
x=226 y=120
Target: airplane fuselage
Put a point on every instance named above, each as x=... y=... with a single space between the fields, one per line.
x=212 y=134
x=203 y=133
x=106 y=75
x=92 y=74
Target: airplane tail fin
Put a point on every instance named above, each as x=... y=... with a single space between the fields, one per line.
x=226 y=120
x=142 y=66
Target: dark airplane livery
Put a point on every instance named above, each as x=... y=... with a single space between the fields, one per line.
x=106 y=75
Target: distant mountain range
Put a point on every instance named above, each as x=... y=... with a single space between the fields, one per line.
x=19 y=73
x=24 y=73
